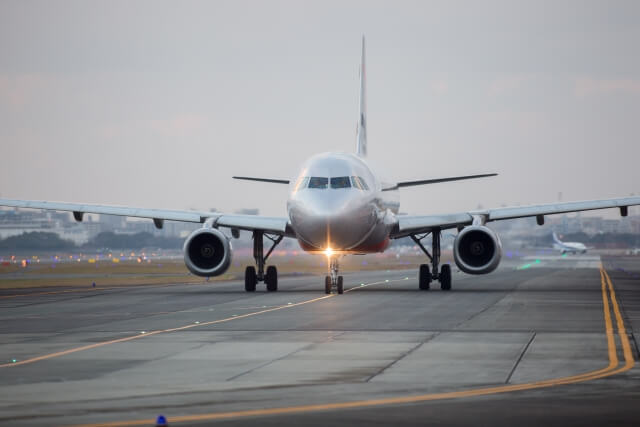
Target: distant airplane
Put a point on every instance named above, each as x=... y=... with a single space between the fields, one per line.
x=568 y=247
x=338 y=206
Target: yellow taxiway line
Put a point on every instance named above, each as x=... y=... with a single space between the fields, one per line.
x=611 y=369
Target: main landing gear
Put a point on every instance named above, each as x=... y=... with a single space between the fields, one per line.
x=251 y=276
x=333 y=281
x=425 y=276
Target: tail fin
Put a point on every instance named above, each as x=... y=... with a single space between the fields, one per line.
x=361 y=133
x=556 y=238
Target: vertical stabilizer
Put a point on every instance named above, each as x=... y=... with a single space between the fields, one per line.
x=361 y=133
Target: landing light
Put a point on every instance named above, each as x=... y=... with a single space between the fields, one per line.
x=328 y=252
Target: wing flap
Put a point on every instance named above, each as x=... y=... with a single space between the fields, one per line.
x=558 y=208
x=170 y=215
x=275 y=225
x=409 y=224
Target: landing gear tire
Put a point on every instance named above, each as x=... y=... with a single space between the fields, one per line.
x=340 y=285
x=271 y=279
x=445 y=277
x=424 y=277
x=327 y=285
x=250 y=279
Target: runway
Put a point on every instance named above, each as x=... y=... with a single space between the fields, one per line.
x=538 y=341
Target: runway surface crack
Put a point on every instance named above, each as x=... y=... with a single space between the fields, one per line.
x=632 y=337
x=522 y=353
x=306 y=347
x=402 y=356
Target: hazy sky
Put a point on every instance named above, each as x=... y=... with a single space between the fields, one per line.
x=157 y=104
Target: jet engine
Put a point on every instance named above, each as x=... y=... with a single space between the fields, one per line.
x=207 y=252
x=477 y=250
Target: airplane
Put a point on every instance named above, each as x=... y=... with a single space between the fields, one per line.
x=338 y=206
x=568 y=247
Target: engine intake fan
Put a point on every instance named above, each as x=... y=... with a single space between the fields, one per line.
x=477 y=250
x=207 y=252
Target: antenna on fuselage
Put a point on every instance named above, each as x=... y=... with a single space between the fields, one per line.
x=361 y=133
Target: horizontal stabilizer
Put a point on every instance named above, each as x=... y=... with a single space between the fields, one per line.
x=437 y=180
x=273 y=181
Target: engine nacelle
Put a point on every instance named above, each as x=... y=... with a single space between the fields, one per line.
x=477 y=250
x=207 y=252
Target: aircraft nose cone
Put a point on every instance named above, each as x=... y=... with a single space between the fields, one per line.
x=332 y=222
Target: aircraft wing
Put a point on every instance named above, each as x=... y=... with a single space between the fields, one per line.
x=274 y=225
x=412 y=224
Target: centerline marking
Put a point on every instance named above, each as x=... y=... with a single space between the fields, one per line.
x=96 y=289
x=145 y=334
x=66 y=291
x=611 y=369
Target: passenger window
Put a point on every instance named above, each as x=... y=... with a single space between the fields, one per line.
x=318 y=182
x=340 y=182
x=303 y=181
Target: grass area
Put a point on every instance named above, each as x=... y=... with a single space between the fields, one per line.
x=164 y=271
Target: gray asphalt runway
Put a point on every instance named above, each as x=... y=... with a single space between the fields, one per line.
x=539 y=341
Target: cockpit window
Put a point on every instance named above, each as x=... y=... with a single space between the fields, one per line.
x=359 y=183
x=303 y=181
x=340 y=182
x=318 y=182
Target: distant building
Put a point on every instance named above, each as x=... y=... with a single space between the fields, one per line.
x=15 y=222
x=112 y=222
x=248 y=211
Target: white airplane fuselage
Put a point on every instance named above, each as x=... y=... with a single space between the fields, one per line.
x=337 y=202
x=568 y=247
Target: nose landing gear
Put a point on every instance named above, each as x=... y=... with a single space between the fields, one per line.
x=333 y=280
x=251 y=276
x=426 y=275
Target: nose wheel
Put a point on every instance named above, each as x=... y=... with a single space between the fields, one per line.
x=426 y=275
x=333 y=280
x=253 y=275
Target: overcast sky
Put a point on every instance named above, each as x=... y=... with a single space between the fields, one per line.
x=158 y=104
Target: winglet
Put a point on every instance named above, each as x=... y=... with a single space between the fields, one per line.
x=361 y=133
